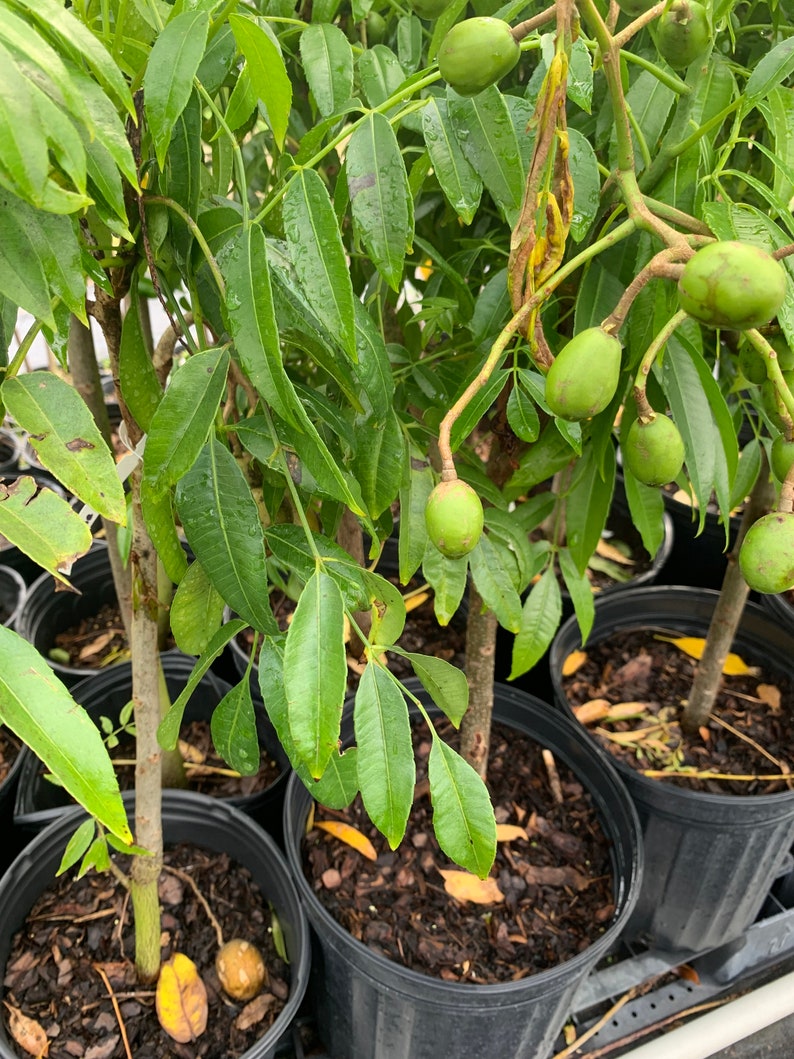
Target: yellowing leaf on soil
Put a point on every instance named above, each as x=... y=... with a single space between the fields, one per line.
x=350 y=835
x=509 y=832
x=574 y=661
x=770 y=694
x=609 y=551
x=592 y=711
x=181 y=999
x=735 y=666
x=467 y=887
x=622 y=711
x=414 y=601
x=28 y=1033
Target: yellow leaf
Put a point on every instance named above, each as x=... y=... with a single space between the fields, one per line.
x=509 y=832
x=574 y=661
x=350 y=835
x=592 y=711
x=414 y=601
x=28 y=1033
x=735 y=666
x=622 y=711
x=467 y=887
x=181 y=999
x=609 y=551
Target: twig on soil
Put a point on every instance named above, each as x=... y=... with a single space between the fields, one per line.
x=554 y=777
x=116 y=1009
x=756 y=746
x=183 y=875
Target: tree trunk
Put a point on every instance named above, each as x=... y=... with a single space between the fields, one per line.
x=475 y=733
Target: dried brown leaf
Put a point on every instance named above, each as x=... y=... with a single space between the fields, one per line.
x=96 y=645
x=575 y=660
x=609 y=551
x=467 y=887
x=28 y=1033
x=770 y=694
x=254 y=1011
x=509 y=832
x=181 y=999
x=592 y=711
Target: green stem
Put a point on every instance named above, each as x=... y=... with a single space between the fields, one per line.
x=239 y=162
x=773 y=370
x=197 y=234
x=666 y=77
x=23 y=349
x=653 y=351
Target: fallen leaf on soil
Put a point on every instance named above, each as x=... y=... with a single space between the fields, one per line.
x=573 y=662
x=550 y=876
x=416 y=601
x=609 y=551
x=467 y=887
x=734 y=666
x=191 y=754
x=254 y=1012
x=769 y=694
x=509 y=832
x=28 y=1033
x=639 y=735
x=350 y=835
x=622 y=711
x=181 y=999
x=96 y=645
x=592 y=711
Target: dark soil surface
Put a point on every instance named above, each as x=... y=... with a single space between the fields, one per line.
x=95 y=641
x=9 y=749
x=751 y=733
x=556 y=878
x=79 y=927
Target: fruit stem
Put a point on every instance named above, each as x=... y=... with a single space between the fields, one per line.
x=662 y=265
x=775 y=376
x=529 y=25
x=620 y=40
x=785 y=501
x=783 y=251
x=652 y=352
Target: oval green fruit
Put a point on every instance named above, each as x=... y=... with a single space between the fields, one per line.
x=781 y=457
x=477 y=53
x=766 y=556
x=733 y=285
x=584 y=375
x=454 y=518
x=633 y=8
x=683 y=33
x=429 y=9
x=654 y=450
x=376 y=28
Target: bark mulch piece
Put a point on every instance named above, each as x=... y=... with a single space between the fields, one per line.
x=556 y=881
x=637 y=667
x=78 y=926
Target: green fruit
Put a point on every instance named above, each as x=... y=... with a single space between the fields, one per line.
x=683 y=33
x=654 y=450
x=633 y=8
x=732 y=284
x=584 y=376
x=429 y=8
x=769 y=399
x=376 y=28
x=751 y=365
x=785 y=354
x=477 y=53
x=781 y=457
x=766 y=556
x=454 y=518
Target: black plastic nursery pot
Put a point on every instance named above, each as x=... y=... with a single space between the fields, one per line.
x=368 y=1007
x=187 y=817
x=710 y=859
x=12 y=595
x=39 y=802
x=697 y=558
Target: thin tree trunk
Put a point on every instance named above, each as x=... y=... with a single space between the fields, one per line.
x=475 y=733
x=727 y=614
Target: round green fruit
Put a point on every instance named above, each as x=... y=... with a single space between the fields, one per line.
x=733 y=285
x=454 y=518
x=781 y=457
x=584 y=375
x=376 y=28
x=477 y=53
x=766 y=556
x=633 y=8
x=683 y=33
x=429 y=9
x=654 y=450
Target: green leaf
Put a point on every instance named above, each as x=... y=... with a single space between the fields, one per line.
x=388 y=610
x=77 y=845
x=495 y=585
x=463 y=818
x=22 y=277
x=42 y=525
x=409 y=42
x=447 y=578
x=328 y=65
x=379 y=195
x=586 y=184
x=509 y=530
x=138 y=381
x=587 y=504
x=522 y=415
x=267 y=72
x=318 y=255
x=292 y=552
x=412 y=542
x=196 y=611
x=41 y=712
x=221 y=522
x=580 y=590
x=491 y=309
x=233 y=729
x=184 y=418
x=57 y=247
x=378 y=461
x=446 y=685
x=168 y=81
x=477 y=407
x=67 y=440
x=157 y=509
x=580 y=75
x=24 y=160
x=168 y=730
x=539 y=622
x=380 y=74
x=386 y=768
x=315 y=671
x=769 y=72
x=459 y=182
x=646 y=506
x=372 y=368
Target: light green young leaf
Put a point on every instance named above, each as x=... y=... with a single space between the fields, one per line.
x=168 y=81
x=41 y=712
x=233 y=727
x=196 y=611
x=267 y=72
x=221 y=522
x=386 y=767
x=43 y=526
x=446 y=685
x=315 y=672
x=458 y=180
x=495 y=584
x=447 y=578
x=328 y=64
x=184 y=418
x=539 y=622
x=77 y=845
x=67 y=440
x=463 y=817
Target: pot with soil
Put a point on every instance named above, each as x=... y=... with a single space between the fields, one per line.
x=389 y=980
x=105 y=694
x=713 y=845
x=212 y=850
